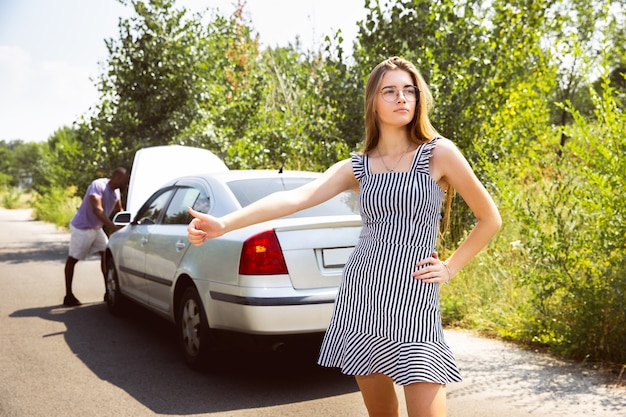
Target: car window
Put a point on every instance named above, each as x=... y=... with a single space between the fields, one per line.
x=202 y=204
x=150 y=212
x=185 y=197
x=250 y=190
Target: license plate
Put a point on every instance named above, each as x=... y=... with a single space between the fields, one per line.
x=335 y=257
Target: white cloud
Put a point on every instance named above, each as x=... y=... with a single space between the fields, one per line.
x=40 y=97
x=15 y=64
x=69 y=83
x=55 y=48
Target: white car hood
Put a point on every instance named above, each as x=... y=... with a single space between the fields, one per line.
x=155 y=166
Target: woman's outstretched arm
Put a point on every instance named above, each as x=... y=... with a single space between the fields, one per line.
x=335 y=180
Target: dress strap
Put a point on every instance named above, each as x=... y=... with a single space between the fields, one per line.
x=358 y=165
x=422 y=159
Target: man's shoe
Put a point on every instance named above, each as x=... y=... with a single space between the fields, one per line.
x=70 y=301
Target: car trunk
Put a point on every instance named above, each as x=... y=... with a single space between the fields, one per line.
x=316 y=260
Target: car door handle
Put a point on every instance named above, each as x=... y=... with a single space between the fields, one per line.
x=144 y=240
x=180 y=245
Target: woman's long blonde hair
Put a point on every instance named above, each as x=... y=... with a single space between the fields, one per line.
x=420 y=128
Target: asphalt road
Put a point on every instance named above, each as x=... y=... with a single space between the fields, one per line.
x=57 y=361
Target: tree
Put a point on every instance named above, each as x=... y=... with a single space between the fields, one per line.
x=18 y=162
x=579 y=36
x=65 y=162
x=234 y=83
x=151 y=91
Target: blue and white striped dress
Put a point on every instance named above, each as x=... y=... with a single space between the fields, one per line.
x=384 y=320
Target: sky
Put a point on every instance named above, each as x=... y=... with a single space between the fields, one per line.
x=51 y=51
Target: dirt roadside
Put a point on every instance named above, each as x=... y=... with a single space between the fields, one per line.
x=524 y=383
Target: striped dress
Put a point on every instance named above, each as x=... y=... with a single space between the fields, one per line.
x=384 y=320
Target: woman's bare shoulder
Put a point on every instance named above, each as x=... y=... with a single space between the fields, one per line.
x=343 y=173
x=445 y=145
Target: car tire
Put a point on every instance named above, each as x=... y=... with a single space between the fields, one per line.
x=194 y=331
x=114 y=298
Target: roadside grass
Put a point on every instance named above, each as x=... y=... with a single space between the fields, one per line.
x=487 y=295
x=553 y=277
x=56 y=206
x=13 y=198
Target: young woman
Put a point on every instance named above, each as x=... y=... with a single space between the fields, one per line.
x=386 y=326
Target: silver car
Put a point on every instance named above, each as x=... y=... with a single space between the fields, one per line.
x=275 y=278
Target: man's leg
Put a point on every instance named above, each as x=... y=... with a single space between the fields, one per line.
x=69 y=299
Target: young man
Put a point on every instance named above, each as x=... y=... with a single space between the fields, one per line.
x=102 y=199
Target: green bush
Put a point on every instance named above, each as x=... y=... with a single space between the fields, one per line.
x=486 y=296
x=555 y=275
x=10 y=198
x=576 y=236
x=13 y=198
x=56 y=205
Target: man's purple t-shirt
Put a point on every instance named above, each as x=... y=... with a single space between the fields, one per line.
x=84 y=217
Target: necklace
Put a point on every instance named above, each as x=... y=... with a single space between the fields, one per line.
x=397 y=163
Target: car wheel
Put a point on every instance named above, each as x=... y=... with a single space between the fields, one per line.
x=115 y=299
x=193 y=329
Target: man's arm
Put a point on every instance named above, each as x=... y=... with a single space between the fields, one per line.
x=98 y=210
x=118 y=207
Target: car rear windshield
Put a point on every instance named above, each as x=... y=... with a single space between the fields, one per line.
x=250 y=190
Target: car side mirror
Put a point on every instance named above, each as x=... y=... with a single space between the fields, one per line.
x=122 y=218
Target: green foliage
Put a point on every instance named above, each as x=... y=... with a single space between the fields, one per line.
x=591 y=251
x=486 y=295
x=18 y=163
x=297 y=128
x=5 y=180
x=555 y=275
x=10 y=198
x=57 y=206
x=467 y=56
x=61 y=160
x=13 y=198
x=573 y=233
x=563 y=236
x=233 y=75
x=158 y=87
x=151 y=91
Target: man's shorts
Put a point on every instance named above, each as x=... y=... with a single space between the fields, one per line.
x=85 y=242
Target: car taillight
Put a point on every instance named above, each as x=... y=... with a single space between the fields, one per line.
x=261 y=255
